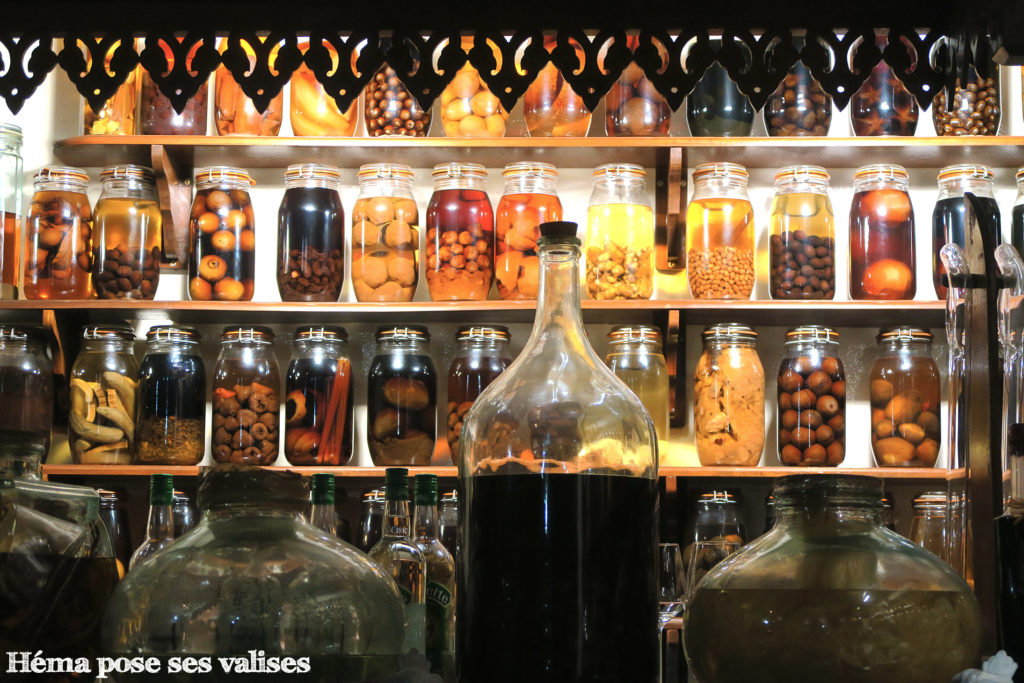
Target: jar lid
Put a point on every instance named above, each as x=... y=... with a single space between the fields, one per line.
x=386 y=332
x=720 y=169
x=320 y=333
x=904 y=334
x=932 y=501
x=247 y=335
x=172 y=333
x=534 y=169
x=803 y=173
x=383 y=170
x=12 y=132
x=215 y=175
x=717 y=498
x=482 y=333
x=629 y=333
x=312 y=172
x=887 y=500
x=881 y=172
x=450 y=498
x=23 y=333
x=458 y=169
x=108 y=332
x=128 y=172
x=107 y=497
x=815 y=333
x=729 y=332
x=1019 y=177
x=965 y=171
x=620 y=171
x=62 y=174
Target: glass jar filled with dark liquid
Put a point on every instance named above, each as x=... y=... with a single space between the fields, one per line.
x=948 y=216
x=448 y=522
x=26 y=386
x=882 y=263
x=318 y=398
x=460 y=234
x=1017 y=227
x=371 y=520
x=401 y=405
x=883 y=105
x=482 y=355
x=310 y=235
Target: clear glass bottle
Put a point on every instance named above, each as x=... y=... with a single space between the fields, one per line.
x=160 y=522
x=948 y=216
x=440 y=570
x=620 y=234
x=716 y=107
x=799 y=106
x=26 y=386
x=58 y=236
x=103 y=395
x=559 y=439
x=127 y=244
x=10 y=209
x=1017 y=225
x=460 y=234
x=530 y=198
x=385 y=234
x=551 y=107
x=829 y=557
x=468 y=107
x=448 y=522
x=802 y=235
x=246 y=397
x=717 y=531
x=401 y=559
x=112 y=515
x=633 y=106
x=371 y=520
x=311 y=235
x=882 y=261
x=812 y=399
x=318 y=398
x=882 y=105
x=390 y=109
x=321 y=508
x=720 y=233
x=222 y=243
x=728 y=397
x=906 y=424
x=314 y=113
x=930 y=526
x=976 y=106
x=117 y=115
x=635 y=356
x=184 y=514
x=171 y=415
x=482 y=355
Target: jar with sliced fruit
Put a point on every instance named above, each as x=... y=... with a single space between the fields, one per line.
x=58 y=236
x=882 y=264
x=468 y=107
x=530 y=198
x=460 y=234
x=551 y=107
x=222 y=244
x=103 y=392
x=314 y=113
x=385 y=234
x=246 y=398
x=318 y=402
x=401 y=406
x=633 y=106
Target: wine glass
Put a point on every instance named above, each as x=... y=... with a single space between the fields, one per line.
x=671 y=582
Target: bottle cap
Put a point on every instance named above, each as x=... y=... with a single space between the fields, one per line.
x=426 y=489
x=323 y=489
x=558 y=232
x=161 y=489
x=396 y=483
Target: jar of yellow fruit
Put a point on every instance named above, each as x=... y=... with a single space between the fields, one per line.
x=468 y=107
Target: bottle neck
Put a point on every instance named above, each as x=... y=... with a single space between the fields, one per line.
x=558 y=303
x=160 y=524
x=396 y=518
x=321 y=515
x=425 y=522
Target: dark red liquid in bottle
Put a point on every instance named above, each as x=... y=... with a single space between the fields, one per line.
x=460 y=245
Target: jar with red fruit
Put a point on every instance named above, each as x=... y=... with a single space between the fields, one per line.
x=812 y=399
x=633 y=106
x=58 y=236
x=460 y=234
x=948 y=216
x=222 y=244
x=882 y=264
x=246 y=398
x=530 y=198
x=318 y=399
x=482 y=355
x=551 y=107
x=385 y=234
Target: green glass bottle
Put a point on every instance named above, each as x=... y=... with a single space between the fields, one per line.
x=440 y=598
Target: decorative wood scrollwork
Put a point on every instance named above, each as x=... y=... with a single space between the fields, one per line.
x=831 y=59
x=757 y=65
x=605 y=57
x=24 y=63
x=261 y=65
x=179 y=66
x=98 y=66
x=910 y=56
x=661 y=56
x=509 y=79
x=426 y=63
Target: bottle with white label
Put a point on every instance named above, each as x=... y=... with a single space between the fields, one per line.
x=440 y=602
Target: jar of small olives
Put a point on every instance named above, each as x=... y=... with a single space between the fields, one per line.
x=812 y=399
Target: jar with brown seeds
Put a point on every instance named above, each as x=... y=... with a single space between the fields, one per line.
x=802 y=243
x=390 y=108
x=975 y=110
x=127 y=235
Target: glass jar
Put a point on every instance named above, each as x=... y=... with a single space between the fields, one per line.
x=26 y=386
x=720 y=233
x=127 y=244
x=530 y=198
x=448 y=523
x=716 y=531
x=371 y=521
x=112 y=514
x=10 y=209
x=234 y=112
x=976 y=106
x=254 y=575
x=20 y=459
x=550 y=106
x=468 y=107
x=931 y=526
x=222 y=247
x=633 y=106
x=827 y=558
x=620 y=234
x=104 y=392
x=58 y=236
x=906 y=427
x=171 y=427
x=948 y=216
x=882 y=261
x=882 y=105
x=728 y=397
x=117 y=115
x=318 y=398
x=314 y=113
x=716 y=107
x=460 y=234
x=1017 y=225
x=635 y=356
x=157 y=116
x=390 y=109
x=799 y=106
x=311 y=235
x=184 y=514
x=246 y=382
x=812 y=399
x=385 y=234
x=481 y=356
x=802 y=235
x=401 y=398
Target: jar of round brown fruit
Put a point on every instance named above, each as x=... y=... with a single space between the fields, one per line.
x=222 y=241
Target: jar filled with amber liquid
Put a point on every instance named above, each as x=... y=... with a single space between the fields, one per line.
x=246 y=397
x=482 y=355
x=222 y=244
x=906 y=428
x=633 y=106
x=58 y=236
x=171 y=423
x=10 y=210
x=720 y=233
x=550 y=106
x=530 y=198
x=234 y=112
x=812 y=399
x=635 y=356
x=460 y=234
x=318 y=398
x=103 y=397
x=310 y=235
x=883 y=105
x=799 y=106
x=948 y=217
x=468 y=107
x=802 y=235
x=156 y=113
x=620 y=234
x=314 y=113
x=728 y=397
x=402 y=398
x=127 y=243
x=882 y=263
x=385 y=234
x=117 y=115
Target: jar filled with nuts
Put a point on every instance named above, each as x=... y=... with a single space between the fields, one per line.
x=720 y=233
x=234 y=111
x=158 y=117
x=948 y=217
x=314 y=113
x=10 y=210
x=530 y=198
x=310 y=235
x=246 y=398
x=103 y=395
x=905 y=393
x=551 y=107
x=117 y=115
x=318 y=402
x=170 y=428
x=799 y=106
x=976 y=108
x=468 y=107
x=633 y=106
x=482 y=355
x=728 y=397
x=460 y=234
x=58 y=236
x=635 y=356
x=385 y=235
x=402 y=398
x=802 y=235
x=390 y=109
x=812 y=399
x=882 y=105
x=127 y=243
x=620 y=234
x=882 y=261
x=222 y=244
